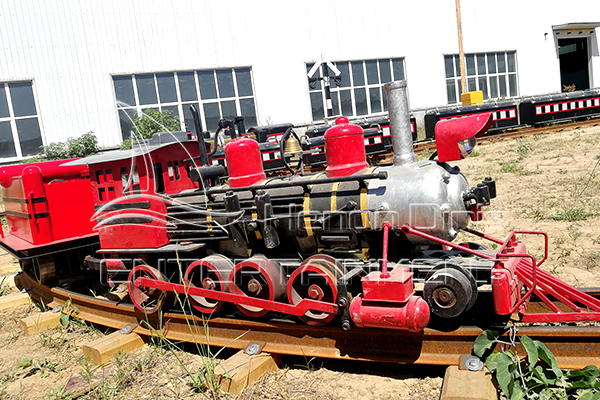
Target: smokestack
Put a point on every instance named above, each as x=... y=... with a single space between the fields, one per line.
x=397 y=101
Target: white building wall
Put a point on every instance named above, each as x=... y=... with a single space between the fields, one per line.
x=71 y=48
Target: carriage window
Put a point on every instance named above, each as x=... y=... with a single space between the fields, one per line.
x=135 y=180
x=495 y=74
x=125 y=181
x=159 y=182
x=170 y=169
x=176 y=167
x=101 y=192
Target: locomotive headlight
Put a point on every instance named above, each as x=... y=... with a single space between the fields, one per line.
x=467 y=146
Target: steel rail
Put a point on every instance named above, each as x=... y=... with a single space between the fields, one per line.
x=573 y=346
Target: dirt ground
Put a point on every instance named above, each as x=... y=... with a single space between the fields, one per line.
x=548 y=182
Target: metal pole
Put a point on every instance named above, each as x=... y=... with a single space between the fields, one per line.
x=461 y=53
x=327 y=89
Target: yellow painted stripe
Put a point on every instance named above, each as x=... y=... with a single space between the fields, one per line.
x=255 y=218
x=364 y=216
x=208 y=220
x=306 y=207
x=334 y=189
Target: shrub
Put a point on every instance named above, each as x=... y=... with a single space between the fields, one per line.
x=83 y=146
x=151 y=122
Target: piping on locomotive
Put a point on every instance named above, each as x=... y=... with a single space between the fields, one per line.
x=349 y=243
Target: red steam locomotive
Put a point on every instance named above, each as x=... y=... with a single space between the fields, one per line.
x=370 y=246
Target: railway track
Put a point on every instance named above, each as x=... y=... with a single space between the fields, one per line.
x=574 y=346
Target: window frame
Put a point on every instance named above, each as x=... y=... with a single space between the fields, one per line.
x=182 y=106
x=477 y=77
x=351 y=87
x=12 y=119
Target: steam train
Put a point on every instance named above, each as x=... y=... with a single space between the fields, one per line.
x=368 y=246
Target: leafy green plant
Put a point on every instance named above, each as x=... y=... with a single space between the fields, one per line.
x=83 y=146
x=534 y=374
x=67 y=312
x=88 y=369
x=45 y=365
x=58 y=394
x=150 y=122
x=26 y=363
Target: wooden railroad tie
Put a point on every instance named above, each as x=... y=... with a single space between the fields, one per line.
x=241 y=370
x=14 y=300
x=103 y=349
x=39 y=322
x=468 y=385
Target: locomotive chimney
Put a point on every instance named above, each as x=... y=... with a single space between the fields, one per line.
x=397 y=101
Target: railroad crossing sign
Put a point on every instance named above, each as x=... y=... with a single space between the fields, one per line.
x=337 y=80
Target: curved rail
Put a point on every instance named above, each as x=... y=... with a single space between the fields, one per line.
x=573 y=346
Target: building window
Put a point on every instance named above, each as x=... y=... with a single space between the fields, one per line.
x=217 y=93
x=361 y=88
x=20 y=134
x=495 y=74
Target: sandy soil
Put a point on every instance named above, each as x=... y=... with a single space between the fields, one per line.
x=547 y=182
x=550 y=183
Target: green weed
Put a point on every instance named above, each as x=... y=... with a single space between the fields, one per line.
x=573 y=232
x=571 y=215
x=426 y=154
x=523 y=149
x=513 y=166
x=145 y=362
x=591 y=259
x=537 y=215
x=57 y=394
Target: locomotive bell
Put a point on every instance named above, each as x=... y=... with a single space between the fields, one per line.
x=244 y=162
x=345 y=149
x=293 y=148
